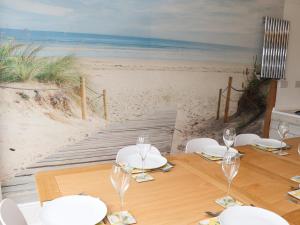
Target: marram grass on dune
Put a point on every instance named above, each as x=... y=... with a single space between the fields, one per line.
x=19 y=63
x=59 y=70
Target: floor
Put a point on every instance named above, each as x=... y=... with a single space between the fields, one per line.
x=98 y=148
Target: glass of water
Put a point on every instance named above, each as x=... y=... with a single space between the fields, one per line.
x=229 y=135
x=230 y=167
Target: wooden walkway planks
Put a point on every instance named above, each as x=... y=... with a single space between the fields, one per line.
x=100 y=147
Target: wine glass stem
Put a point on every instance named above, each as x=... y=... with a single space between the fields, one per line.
x=228 y=188
x=121 y=201
x=281 y=148
x=143 y=166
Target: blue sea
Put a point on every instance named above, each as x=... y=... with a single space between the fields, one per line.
x=112 y=46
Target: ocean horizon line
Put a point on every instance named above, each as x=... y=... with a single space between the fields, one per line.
x=98 y=45
x=84 y=34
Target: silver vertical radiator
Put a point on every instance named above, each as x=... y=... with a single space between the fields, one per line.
x=275 y=45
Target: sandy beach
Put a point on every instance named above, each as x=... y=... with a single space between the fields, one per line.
x=134 y=88
x=137 y=87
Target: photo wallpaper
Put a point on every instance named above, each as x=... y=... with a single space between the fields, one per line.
x=147 y=55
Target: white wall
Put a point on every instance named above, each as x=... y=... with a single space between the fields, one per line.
x=288 y=98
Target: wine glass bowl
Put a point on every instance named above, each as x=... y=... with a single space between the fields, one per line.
x=144 y=147
x=230 y=167
x=229 y=135
x=283 y=130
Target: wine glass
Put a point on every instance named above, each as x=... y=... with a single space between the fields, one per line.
x=230 y=166
x=283 y=129
x=120 y=180
x=229 y=135
x=144 y=147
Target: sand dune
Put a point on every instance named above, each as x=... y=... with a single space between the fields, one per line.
x=30 y=130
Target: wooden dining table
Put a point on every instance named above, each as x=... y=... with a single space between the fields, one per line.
x=182 y=195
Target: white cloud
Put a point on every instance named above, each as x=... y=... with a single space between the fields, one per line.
x=30 y=6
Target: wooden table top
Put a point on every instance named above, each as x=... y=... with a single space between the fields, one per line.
x=182 y=195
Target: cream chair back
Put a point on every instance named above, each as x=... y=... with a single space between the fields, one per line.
x=195 y=145
x=10 y=213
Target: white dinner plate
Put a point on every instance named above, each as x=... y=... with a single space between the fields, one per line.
x=248 y=215
x=217 y=150
x=152 y=161
x=130 y=150
x=269 y=143
x=73 y=210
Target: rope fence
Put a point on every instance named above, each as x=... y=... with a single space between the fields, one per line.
x=97 y=96
x=83 y=89
x=227 y=98
x=94 y=93
x=238 y=90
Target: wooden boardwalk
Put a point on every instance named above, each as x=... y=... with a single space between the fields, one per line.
x=98 y=148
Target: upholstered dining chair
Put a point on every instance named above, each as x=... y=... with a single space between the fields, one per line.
x=245 y=139
x=132 y=149
x=10 y=213
x=197 y=144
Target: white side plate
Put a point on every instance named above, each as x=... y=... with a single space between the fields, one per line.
x=73 y=210
x=152 y=161
x=248 y=215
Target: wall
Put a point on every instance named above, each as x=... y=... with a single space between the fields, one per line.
x=148 y=55
x=288 y=97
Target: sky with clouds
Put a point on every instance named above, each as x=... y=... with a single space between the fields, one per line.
x=233 y=22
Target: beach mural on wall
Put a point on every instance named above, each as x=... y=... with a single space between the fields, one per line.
x=148 y=55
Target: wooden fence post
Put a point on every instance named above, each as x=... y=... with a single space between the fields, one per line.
x=105 y=105
x=83 y=98
x=219 y=104
x=227 y=100
x=271 y=100
x=0 y=192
